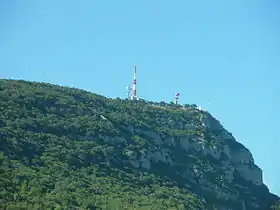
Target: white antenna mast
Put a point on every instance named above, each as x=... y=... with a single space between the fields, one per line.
x=129 y=89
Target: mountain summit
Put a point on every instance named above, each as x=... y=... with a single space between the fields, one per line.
x=64 y=148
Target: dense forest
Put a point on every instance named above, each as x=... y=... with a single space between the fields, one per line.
x=65 y=148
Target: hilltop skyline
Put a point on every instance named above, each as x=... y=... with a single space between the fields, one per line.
x=222 y=55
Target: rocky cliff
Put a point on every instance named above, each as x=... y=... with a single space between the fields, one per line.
x=48 y=132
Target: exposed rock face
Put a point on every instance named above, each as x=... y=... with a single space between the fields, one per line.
x=228 y=162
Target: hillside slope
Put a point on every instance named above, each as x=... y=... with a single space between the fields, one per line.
x=64 y=148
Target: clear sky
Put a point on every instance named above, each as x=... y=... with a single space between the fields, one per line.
x=222 y=54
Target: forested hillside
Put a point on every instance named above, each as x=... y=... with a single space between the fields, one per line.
x=64 y=148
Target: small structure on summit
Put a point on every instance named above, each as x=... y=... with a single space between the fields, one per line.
x=176 y=98
x=132 y=92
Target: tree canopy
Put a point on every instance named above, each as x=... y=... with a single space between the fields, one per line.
x=64 y=148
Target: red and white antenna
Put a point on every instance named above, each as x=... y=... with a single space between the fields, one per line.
x=134 y=84
x=176 y=98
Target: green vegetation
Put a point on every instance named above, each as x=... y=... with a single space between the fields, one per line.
x=276 y=206
x=64 y=148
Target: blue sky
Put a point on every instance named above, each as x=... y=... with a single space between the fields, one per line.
x=222 y=54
